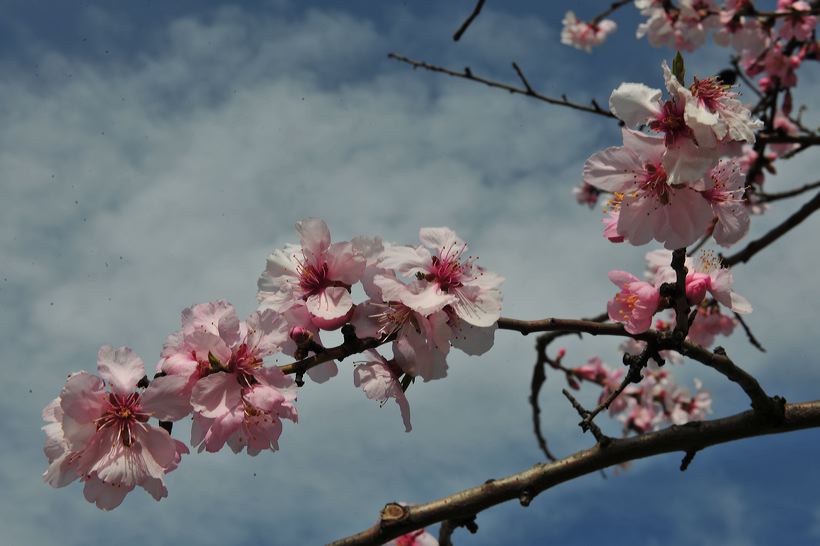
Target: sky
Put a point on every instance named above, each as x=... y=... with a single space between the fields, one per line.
x=153 y=154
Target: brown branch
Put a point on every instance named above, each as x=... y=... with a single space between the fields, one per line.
x=657 y=341
x=350 y=346
x=774 y=234
x=778 y=138
x=609 y=11
x=396 y=520
x=467 y=74
x=769 y=197
x=467 y=22
x=752 y=339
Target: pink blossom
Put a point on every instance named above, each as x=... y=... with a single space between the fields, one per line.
x=683 y=28
x=234 y=397
x=315 y=272
x=649 y=207
x=800 y=24
x=635 y=304
x=708 y=276
x=102 y=437
x=610 y=221
x=446 y=278
x=379 y=379
x=745 y=34
x=683 y=408
x=586 y=194
x=784 y=125
x=710 y=322
x=726 y=198
x=583 y=35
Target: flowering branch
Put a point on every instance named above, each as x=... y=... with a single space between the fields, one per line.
x=396 y=520
x=609 y=11
x=527 y=90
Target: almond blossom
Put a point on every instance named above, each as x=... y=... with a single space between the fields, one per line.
x=635 y=304
x=800 y=23
x=726 y=198
x=315 y=272
x=235 y=398
x=648 y=206
x=583 y=35
x=681 y=28
x=379 y=379
x=710 y=322
x=708 y=276
x=446 y=277
x=97 y=430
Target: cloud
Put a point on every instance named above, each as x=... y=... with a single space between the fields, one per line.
x=135 y=188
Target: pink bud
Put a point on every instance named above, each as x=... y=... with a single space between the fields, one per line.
x=696 y=286
x=300 y=335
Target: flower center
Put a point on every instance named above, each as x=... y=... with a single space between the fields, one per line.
x=654 y=183
x=709 y=92
x=122 y=412
x=671 y=122
x=312 y=279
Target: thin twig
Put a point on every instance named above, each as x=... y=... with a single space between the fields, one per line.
x=769 y=197
x=467 y=22
x=774 y=234
x=611 y=9
x=752 y=339
x=468 y=75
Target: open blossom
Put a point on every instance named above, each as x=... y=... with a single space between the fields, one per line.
x=315 y=272
x=97 y=430
x=379 y=379
x=799 y=24
x=726 y=198
x=710 y=322
x=583 y=35
x=745 y=34
x=635 y=304
x=446 y=277
x=708 y=276
x=235 y=398
x=683 y=28
x=585 y=194
x=648 y=206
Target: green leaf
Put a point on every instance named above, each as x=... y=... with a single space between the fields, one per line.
x=215 y=363
x=678 y=70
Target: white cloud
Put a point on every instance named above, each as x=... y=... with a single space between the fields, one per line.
x=134 y=190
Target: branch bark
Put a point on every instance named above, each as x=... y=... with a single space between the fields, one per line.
x=524 y=486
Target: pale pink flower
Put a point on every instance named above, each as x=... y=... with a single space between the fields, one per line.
x=784 y=125
x=422 y=342
x=234 y=397
x=710 y=322
x=315 y=272
x=687 y=156
x=713 y=112
x=708 y=276
x=446 y=277
x=583 y=35
x=683 y=28
x=745 y=34
x=683 y=408
x=610 y=221
x=586 y=194
x=800 y=24
x=379 y=379
x=102 y=437
x=650 y=207
x=635 y=304
x=726 y=198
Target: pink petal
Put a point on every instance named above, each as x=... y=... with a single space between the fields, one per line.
x=216 y=394
x=165 y=400
x=635 y=103
x=105 y=495
x=121 y=368
x=332 y=302
x=314 y=236
x=440 y=239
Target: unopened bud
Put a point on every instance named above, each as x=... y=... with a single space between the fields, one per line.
x=300 y=335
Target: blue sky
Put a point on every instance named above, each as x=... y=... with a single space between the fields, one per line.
x=154 y=153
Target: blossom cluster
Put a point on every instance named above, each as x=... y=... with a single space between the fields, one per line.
x=424 y=299
x=655 y=402
x=682 y=180
x=638 y=301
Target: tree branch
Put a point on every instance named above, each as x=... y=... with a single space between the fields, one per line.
x=526 y=90
x=769 y=197
x=467 y=22
x=774 y=234
x=396 y=520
